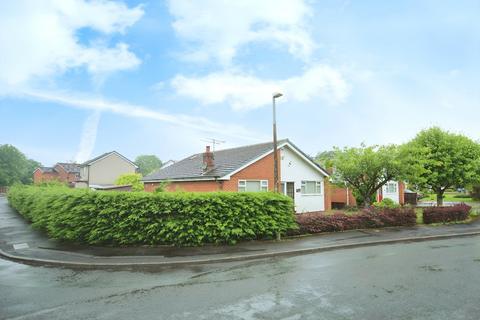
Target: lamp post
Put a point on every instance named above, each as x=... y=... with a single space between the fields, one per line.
x=275 y=154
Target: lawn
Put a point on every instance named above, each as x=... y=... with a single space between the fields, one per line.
x=452 y=197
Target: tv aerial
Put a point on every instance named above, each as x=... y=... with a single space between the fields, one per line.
x=213 y=142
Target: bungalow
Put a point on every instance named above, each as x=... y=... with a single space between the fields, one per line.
x=102 y=171
x=249 y=168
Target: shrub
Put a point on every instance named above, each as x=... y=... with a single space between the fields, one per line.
x=162 y=186
x=378 y=218
x=91 y=217
x=52 y=183
x=132 y=179
x=457 y=212
x=386 y=203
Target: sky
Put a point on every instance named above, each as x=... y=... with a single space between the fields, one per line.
x=80 y=78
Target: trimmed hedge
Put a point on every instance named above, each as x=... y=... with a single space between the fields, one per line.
x=457 y=212
x=320 y=222
x=92 y=217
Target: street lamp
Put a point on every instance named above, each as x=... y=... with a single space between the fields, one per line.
x=275 y=155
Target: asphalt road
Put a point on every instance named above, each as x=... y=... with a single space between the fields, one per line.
x=427 y=280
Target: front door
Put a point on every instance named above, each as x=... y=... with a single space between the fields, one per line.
x=289 y=189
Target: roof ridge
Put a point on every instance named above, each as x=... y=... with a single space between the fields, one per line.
x=250 y=145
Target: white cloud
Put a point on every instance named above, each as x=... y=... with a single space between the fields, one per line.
x=245 y=91
x=89 y=135
x=40 y=38
x=220 y=27
x=198 y=124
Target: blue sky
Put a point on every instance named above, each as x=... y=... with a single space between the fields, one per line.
x=79 y=78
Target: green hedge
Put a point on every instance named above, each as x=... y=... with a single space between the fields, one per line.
x=153 y=218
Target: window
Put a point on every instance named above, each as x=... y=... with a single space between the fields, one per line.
x=391 y=187
x=252 y=185
x=311 y=187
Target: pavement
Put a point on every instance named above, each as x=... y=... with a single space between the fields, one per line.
x=21 y=243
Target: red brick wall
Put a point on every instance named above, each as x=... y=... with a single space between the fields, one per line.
x=189 y=186
x=328 y=194
x=338 y=194
x=39 y=176
x=260 y=170
x=64 y=176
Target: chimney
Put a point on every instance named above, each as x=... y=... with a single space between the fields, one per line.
x=207 y=159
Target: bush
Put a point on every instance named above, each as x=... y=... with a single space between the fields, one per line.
x=131 y=179
x=162 y=187
x=91 y=217
x=457 y=212
x=320 y=222
x=386 y=203
x=52 y=183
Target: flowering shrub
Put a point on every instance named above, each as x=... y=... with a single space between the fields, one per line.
x=320 y=222
x=457 y=212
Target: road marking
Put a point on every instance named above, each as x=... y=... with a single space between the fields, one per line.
x=20 y=246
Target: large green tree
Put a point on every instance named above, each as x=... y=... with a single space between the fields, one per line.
x=325 y=158
x=148 y=163
x=448 y=159
x=366 y=169
x=15 y=167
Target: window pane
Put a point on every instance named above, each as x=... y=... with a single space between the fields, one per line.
x=310 y=187
x=253 y=186
x=319 y=187
x=391 y=187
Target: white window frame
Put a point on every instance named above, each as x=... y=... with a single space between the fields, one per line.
x=318 y=187
x=391 y=185
x=242 y=185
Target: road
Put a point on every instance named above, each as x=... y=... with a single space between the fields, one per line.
x=427 y=280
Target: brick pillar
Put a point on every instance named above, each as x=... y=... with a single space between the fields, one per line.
x=401 y=193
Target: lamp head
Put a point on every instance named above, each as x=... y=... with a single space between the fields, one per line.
x=277 y=95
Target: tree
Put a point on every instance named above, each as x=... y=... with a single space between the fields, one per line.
x=448 y=159
x=15 y=167
x=325 y=158
x=148 y=163
x=366 y=169
x=133 y=179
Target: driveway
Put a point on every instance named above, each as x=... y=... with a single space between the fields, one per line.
x=426 y=280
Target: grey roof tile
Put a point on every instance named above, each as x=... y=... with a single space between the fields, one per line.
x=70 y=167
x=226 y=161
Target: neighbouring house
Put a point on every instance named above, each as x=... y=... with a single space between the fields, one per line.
x=62 y=171
x=102 y=171
x=394 y=190
x=249 y=168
